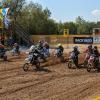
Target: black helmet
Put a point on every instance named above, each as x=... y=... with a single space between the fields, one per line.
x=95 y=47
x=90 y=46
x=75 y=47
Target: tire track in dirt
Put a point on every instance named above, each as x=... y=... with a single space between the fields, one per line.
x=49 y=79
x=60 y=84
x=51 y=95
x=80 y=91
x=67 y=91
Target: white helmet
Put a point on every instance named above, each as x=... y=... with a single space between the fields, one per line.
x=59 y=45
x=32 y=48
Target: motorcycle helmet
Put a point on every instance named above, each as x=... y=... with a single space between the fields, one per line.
x=39 y=41
x=32 y=48
x=95 y=47
x=90 y=46
x=75 y=47
x=15 y=44
x=59 y=45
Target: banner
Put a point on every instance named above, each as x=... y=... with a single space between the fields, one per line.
x=83 y=40
x=96 y=39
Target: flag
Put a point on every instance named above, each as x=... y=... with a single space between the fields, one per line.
x=1 y=16
x=0 y=11
x=5 y=11
x=6 y=21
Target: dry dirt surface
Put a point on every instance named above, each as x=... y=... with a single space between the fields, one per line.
x=55 y=82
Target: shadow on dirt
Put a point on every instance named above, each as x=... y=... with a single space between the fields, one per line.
x=43 y=70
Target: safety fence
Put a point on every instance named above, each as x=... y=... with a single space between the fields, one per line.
x=54 y=39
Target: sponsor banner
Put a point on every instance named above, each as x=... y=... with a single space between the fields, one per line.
x=83 y=40
x=96 y=40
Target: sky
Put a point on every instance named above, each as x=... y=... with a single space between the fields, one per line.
x=68 y=10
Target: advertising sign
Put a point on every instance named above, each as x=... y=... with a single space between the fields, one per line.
x=83 y=40
x=96 y=39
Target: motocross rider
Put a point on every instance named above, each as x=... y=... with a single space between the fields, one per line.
x=89 y=52
x=2 y=52
x=59 y=49
x=46 y=48
x=74 y=55
x=96 y=55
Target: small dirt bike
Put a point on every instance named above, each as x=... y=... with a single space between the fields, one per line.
x=3 y=55
x=15 y=52
x=71 y=64
x=42 y=55
x=31 y=61
x=59 y=55
x=93 y=64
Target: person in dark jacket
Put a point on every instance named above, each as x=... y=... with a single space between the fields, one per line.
x=40 y=45
x=15 y=49
x=46 y=48
x=3 y=52
x=96 y=55
x=96 y=51
x=75 y=54
x=59 y=50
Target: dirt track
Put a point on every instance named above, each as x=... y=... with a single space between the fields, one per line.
x=56 y=82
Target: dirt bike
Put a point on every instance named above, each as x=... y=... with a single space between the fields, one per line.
x=42 y=55
x=93 y=64
x=31 y=61
x=60 y=56
x=71 y=64
x=85 y=63
x=3 y=55
x=15 y=52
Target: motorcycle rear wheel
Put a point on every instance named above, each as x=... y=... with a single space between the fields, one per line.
x=37 y=64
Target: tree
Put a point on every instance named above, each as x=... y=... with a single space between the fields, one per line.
x=36 y=20
x=60 y=28
x=82 y=26
x=71 y=26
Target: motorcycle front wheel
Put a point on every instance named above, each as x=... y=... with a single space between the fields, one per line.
x=26 y=67
x=89 y=67
x=69 y=64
